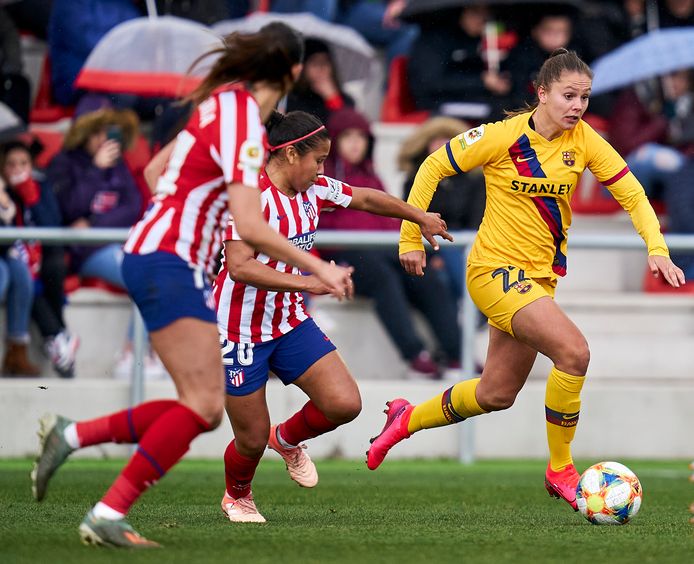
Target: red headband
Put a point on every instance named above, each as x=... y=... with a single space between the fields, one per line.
x=295 y=141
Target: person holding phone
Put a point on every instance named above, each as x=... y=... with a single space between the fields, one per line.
x=94 y=187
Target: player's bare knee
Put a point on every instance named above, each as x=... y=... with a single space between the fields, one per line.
x=208 y=407
x=252 y=445
x=575 y=358
x=345 y=410
x=496 y=400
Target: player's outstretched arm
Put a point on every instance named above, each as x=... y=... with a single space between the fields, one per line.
x=243 y=267
x=671 y=272
x=380 y=203
x=244 y=205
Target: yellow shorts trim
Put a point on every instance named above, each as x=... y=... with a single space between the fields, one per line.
x=500 y=292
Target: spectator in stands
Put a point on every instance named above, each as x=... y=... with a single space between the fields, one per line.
x=652 y=130
x=378 y=274
x=206 y=13
x=378 y=21
x=318 y=90
x=31 y=15
x=74 y=29
x=459 y=199
x=324 y=9
x=676 y=13
x=679 y=186
x=16 y=291
x=446 y=67
x=37 y=206
x=600 y=27
x=551 y=31
x=14 y=86
x=95 y=188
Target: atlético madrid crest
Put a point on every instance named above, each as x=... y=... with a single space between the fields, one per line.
x=569 y=157
x=310 y=210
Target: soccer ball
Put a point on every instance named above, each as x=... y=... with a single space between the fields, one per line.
x=608 y=493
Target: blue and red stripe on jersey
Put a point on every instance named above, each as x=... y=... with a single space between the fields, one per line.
x=550 y=213
x=525 y=159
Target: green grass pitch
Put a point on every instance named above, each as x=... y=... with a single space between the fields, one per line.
x=407 y=512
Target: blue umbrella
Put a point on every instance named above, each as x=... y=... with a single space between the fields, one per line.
x=657 y=53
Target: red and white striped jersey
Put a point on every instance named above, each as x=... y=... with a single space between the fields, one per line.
x=249 y=315
x=223 y=143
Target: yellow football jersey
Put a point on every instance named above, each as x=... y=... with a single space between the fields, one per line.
x=530 y=181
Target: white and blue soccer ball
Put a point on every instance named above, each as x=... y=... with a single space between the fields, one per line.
x=608 y=493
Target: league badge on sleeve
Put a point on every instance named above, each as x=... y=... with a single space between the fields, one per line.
x=473 y=135
x=251 y=155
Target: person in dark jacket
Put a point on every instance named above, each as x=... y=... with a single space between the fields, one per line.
x=318 y=90
x=551 y=31
x=94 y=187
x=37 y=206
x=446 y=67
x=377 y=272
x=16 y=292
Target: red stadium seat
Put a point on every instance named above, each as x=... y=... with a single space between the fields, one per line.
x=45 y=109
x=73 y=283
x=398 y=105
x=659 y=286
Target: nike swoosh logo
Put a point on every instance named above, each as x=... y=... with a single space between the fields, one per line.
x=520 y=160
x=281 y=217
x=564 y=416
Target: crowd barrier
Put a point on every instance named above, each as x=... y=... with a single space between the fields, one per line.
x=343 y=239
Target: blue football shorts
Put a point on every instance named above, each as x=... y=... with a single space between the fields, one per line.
x=166 y=288
x=247 y=365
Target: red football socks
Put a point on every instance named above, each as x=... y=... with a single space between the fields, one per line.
x=239 y=471
x=305 y=424
x=163 y=444
x=126 y=426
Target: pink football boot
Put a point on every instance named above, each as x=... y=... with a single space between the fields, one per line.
x=395 y=430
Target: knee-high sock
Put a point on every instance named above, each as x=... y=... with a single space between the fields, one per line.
x=452 y=406
x=562 y=406
x=238 y=471
x=162 y=445
x=126 y=426
x=305 y=424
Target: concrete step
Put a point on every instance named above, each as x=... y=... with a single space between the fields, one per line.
x=630 y=335
x=632 y=313
x=618 y=419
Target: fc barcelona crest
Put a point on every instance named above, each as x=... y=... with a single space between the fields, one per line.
x=569 y=157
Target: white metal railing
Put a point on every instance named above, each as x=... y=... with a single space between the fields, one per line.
x=343 y=239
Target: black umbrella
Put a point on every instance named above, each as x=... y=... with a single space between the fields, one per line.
x=419 y=11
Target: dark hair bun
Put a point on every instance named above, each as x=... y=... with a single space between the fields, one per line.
x=560 y=51
x=274 y=120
